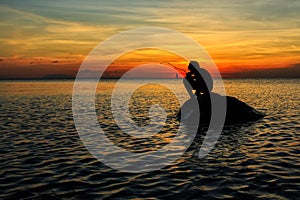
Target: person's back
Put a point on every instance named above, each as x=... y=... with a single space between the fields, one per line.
x=199 y=79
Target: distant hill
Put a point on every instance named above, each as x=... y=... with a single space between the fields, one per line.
x=46 y=77
x=57 y=76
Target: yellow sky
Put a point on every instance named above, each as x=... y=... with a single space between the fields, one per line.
x=42 y=37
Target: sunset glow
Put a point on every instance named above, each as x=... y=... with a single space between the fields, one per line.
x=244 y=39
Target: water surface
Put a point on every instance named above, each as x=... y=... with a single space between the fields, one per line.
x=43 y=156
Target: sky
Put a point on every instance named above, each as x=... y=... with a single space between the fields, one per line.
x=245 y=38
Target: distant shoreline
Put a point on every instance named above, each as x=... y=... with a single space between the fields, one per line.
x=73 y=79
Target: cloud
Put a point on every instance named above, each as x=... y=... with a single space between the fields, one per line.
x=292 y=71
x=236 y=33
x=29 y=34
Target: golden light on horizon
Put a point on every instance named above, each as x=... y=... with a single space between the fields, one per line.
x=140 y=57
x=242 y=39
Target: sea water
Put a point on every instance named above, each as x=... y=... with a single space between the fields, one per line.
x=42 y=155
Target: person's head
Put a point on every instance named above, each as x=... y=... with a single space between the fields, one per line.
x=193 y=66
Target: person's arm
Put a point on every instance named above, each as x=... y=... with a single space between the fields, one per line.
x=187 y=85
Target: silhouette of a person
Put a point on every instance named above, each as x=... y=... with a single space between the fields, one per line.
x=199 y=79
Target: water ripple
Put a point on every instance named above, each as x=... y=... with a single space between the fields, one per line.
x=43 y=157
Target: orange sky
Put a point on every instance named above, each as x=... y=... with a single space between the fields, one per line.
x=243 y=38
x=148 y=56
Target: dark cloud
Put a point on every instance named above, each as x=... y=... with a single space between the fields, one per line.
x=1 y=60
x=293 y=71
x=55 y=61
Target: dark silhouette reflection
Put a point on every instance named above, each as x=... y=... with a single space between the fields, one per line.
x=200 y=80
